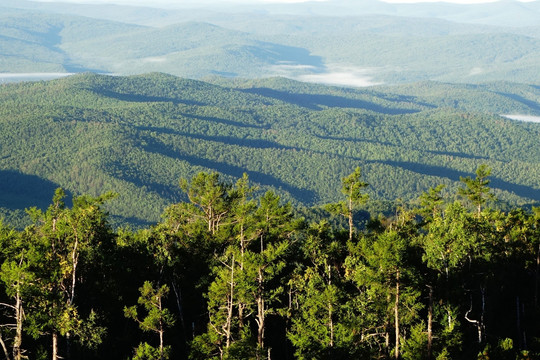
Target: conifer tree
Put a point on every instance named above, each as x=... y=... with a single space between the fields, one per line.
x=61 y=236
x=352 y=188
x=477 y=190
x=158 y=318
x=318 y=327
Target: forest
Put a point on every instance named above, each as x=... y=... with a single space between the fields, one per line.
x=136 y=135
x=230 y=274
x=236 y=213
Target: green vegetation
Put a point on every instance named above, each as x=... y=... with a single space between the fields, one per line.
x=139 y=135
x=234 y=275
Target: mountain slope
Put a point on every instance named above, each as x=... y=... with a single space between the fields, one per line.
x=138 y=135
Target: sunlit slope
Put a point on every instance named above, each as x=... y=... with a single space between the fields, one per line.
x=139 y=135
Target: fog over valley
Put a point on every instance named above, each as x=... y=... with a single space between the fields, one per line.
x=526 y=118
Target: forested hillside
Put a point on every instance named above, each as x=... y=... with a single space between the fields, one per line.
x=139 y=135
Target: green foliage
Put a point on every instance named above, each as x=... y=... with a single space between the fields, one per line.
x=416 y=344
x=148 y=352
x=435 y=282
x=477 y=190
x=138 y=135
x=157 y=319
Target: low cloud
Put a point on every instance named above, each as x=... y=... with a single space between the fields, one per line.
x=155 y=59
x=332 y=74
x=476 y=71
x=340 y=78
x=526 y=118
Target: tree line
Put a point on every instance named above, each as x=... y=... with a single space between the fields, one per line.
x=232 y=275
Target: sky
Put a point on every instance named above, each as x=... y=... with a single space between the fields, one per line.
x=177 y=2
x=451 y=1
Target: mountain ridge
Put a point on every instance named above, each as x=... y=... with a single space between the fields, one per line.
x=138 y=135
x=196 y=43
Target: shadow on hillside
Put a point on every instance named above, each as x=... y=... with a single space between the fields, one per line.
x=454 y=175
x=139 y=98
x=319 y=102
x=225 y=121
x=386 y=143
x=22 y=191
x=286 y=55
x=453 y=154
x=529 y=103
x=354 y=140
x=227 y=140
x=304 y=195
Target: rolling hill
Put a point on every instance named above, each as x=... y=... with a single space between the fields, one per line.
x=139 y=135
x=308 y=42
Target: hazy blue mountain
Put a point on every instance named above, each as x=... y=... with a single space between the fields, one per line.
x=498 y=13
x=375 y=43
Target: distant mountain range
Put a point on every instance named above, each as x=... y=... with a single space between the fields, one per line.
x=338 y=42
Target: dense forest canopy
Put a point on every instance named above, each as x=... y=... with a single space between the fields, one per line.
x=138 y=135
x=229 y=274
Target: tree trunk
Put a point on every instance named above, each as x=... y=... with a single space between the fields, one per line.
x=430 y=325
x=161 y=329
x=482 y=315
x=387 y=326
x=3 y=344
x=330 y=310
x=351 y=222
x=19 y=317
x=260 y=319
x=230 y=303
x=396 y=316
x=241 y=304
x=537 y=278
x=331 y=323
x=54 y=346
x=178 y=293
x=477 y=323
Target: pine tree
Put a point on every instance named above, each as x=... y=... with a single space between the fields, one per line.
x=158 y=318
x=352 y=188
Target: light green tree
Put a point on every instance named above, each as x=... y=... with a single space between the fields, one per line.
x=60 y=238
x=18 y=280
x=318 y=328
x=158 y=318
x=212 y=196
x=380 y=266
x=477 y=190
x=352 y=188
